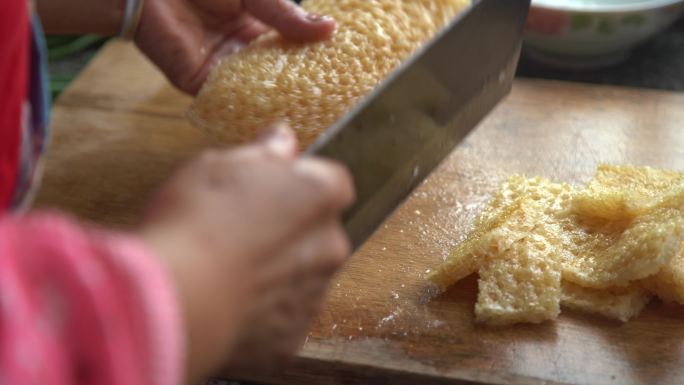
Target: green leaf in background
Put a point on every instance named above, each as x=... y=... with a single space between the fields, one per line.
x=64 y=47
x=59 y=83
x=53 y=41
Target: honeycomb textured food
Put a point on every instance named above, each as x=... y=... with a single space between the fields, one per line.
x=616 y=303
x=606 y=196
x=599 y=253
x=461 y=262
x=615 y=255
x=465 y=258
x=312 y=85
x=511 y=248
x=668 y=284
x=622 y=241
x=520 y=273
x=623 y=192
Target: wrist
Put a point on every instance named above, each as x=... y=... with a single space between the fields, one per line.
x=207 y=307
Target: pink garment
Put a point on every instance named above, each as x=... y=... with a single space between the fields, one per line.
x=81 y=306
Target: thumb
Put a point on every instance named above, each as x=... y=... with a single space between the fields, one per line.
x=290 y=20
x=279 y=140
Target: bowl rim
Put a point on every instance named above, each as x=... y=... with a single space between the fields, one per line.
x=643 y=5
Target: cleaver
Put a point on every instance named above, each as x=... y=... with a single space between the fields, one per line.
x=395 y=137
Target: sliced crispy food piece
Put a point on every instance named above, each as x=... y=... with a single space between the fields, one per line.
x=606 y=254
x=668 y=284
x=465 y=258
x=520 y=278
x=461 y=262
x=552 y=197
x=615 y=303
x=623 y=192
x=313 y=85
x=628 y=247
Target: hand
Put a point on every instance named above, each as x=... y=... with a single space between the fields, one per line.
x=252 y=238
x=185 y=38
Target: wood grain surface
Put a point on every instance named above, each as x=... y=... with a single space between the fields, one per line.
x=119 y=131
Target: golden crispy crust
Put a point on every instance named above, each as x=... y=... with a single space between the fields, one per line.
x=313 y=85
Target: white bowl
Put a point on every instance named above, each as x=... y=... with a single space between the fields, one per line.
x=594 y=33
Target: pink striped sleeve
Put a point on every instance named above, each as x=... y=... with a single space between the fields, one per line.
x=84 y=306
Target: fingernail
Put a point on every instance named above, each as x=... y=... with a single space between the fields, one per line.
x=281 y=141
x=315 y=169
x=316 y=18
x=280 y=131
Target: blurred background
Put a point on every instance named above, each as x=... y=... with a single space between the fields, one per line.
x=67 y=56
x=636 y=43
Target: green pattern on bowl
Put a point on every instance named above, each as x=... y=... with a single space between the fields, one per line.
x=593 y=30
x=635 y=20
x=580 y=21
x=606 y=26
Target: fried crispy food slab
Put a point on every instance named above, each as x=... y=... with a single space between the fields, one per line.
x=616 y=303
x=312 y=85
x=603 y=245
x=623 y=192
x=668 y=284
x=520 y=271
x=466 y=257
x=626 y=192
x=512 y=248
x=612 y=254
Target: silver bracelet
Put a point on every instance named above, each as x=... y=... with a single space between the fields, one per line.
x=131 y=19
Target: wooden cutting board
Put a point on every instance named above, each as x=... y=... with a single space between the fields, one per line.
x=120 y=130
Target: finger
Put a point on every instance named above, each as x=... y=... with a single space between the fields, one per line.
x=329 y=181
x=297 y=194
x=310 y=261
x=290 y=20
x=225 y=9
x=193 y=84
x=228 y=39
x=322 y=252
x=305 y=192
x=255 y=29
x=279 y=140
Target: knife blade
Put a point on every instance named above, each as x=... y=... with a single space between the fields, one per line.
x=394 y=138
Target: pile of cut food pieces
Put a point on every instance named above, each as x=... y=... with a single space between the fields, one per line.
x=606 y=249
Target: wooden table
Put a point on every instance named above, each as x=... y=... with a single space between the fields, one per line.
x=120 y=130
